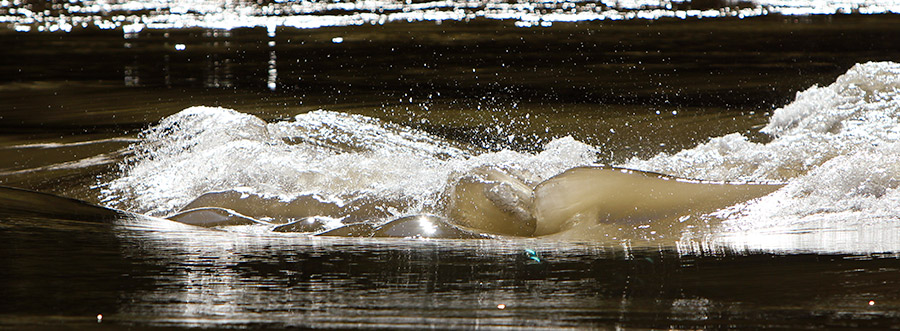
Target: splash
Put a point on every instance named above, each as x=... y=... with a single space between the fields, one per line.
x=837 y=146
x=331 y=156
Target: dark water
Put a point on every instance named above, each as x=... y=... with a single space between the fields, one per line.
x=65 y=273
x=663 y=86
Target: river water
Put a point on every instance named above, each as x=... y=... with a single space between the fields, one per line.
x=148 y=108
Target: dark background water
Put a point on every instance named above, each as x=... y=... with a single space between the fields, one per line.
x=62 y=274
x=460 y=80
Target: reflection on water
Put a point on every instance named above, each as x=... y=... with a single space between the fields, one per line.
x=139 y=276
x=273 y=72
x=26 y=15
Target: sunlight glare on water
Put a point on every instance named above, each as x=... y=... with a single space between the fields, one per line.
x=24 y=15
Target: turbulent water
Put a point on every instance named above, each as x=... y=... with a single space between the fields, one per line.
x=836 y=146
x=332 y=155
x=818 y=145
x=451 y=165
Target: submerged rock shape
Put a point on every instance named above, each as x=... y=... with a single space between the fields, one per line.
x=583 y=203
x=309 y=224
x=493 y=201
x=212 y=217
x=582 y=198
x=354 y=210
x=362 y=229
x=426 y=226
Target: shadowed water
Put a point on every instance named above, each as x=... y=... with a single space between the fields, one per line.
x=142 y=272
x=382 y=122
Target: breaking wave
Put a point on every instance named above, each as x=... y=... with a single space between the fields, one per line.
x=837 y=147
x=333 y=156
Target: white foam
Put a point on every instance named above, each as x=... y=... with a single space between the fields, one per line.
x=838 y=147
x=330 y=154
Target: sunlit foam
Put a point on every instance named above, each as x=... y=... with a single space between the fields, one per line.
x=819 y=142
x=835 y=145
x=330 y=154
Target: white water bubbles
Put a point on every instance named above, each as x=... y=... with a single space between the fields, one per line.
x=860 y=110
x=329 y=154
x=837 y=146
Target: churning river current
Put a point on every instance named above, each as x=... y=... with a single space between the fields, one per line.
x=449 y=165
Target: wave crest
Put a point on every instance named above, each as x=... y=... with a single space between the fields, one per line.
x=835 y=145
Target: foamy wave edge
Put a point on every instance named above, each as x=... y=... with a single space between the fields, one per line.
x=837 y=146
x=335 y=156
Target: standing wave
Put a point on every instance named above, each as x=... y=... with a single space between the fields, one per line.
x=837 y=146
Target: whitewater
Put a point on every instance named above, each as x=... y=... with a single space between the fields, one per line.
x=836 y=147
